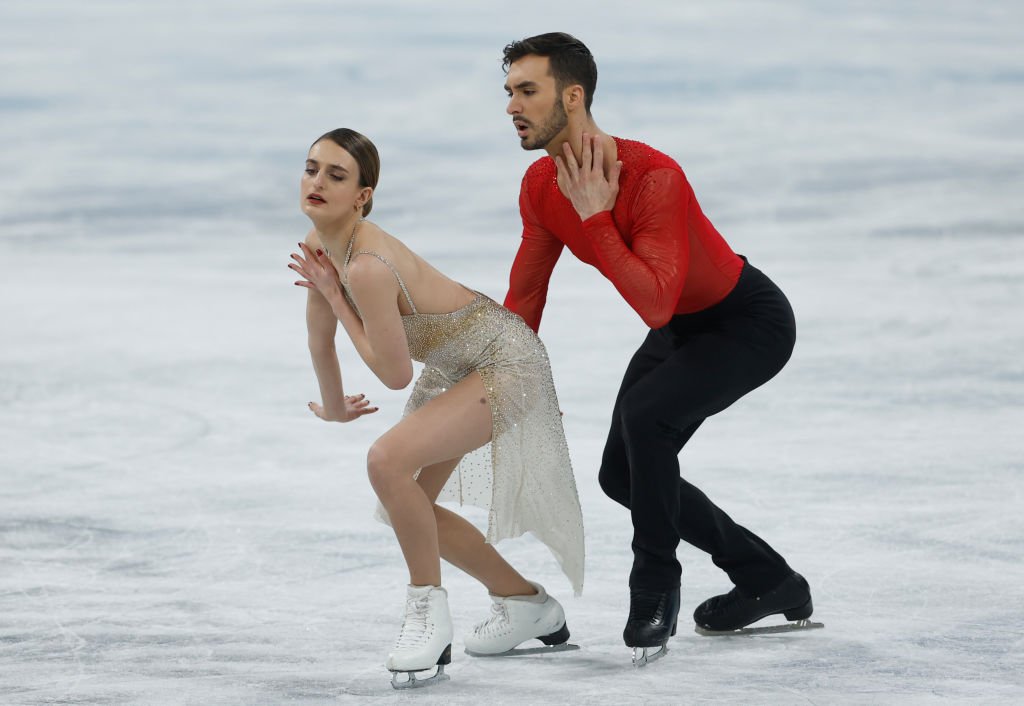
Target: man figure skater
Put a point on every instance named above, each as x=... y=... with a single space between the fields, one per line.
x=719 y=329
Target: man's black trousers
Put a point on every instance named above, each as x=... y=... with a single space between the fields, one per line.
x=694 y=367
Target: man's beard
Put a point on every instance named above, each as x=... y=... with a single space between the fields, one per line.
x=553 y=124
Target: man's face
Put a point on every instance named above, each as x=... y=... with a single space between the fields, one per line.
x=535 y=103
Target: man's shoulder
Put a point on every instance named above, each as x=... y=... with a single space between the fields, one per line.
x=541 y=170
x=539 y=178
x=642 y=157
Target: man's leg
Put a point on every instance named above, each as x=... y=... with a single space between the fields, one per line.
x=747 y=559
x=614 y=473
x=659 y=413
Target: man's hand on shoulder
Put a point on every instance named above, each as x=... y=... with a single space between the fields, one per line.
x=586 y=185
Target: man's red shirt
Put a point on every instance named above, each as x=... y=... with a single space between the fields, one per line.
x=656 y=245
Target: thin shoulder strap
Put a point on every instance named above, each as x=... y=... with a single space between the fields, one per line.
x=348 y=258
x=401 y=282
x=351 y=242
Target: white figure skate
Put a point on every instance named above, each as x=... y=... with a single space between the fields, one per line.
x=516 y=619
x=425 y=639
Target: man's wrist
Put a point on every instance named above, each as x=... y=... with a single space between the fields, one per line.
x=597 y=218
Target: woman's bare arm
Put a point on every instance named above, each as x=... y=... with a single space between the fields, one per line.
x=321 y=326
x=382 y=341
x=378 y=335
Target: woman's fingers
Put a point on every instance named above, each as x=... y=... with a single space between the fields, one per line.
x=307 y=282
x=300 y=265
x=306 y=257
x=359 y=401
x=359 y=405
x=310 y=258
x=313 y=266
x=325 y=262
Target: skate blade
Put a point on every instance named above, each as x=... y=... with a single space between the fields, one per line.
x=765 y=630
x=414 y=682
x=520 y=651
x=643 y=656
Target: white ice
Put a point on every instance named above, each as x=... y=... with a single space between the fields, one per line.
x=176 y=527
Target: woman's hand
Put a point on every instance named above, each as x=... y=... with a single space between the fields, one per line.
x=355 y=406
x=586 y=184
x=319 y=273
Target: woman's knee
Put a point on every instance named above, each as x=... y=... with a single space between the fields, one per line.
x=443 y=517
x=382 y=467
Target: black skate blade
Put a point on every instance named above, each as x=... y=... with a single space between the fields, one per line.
x=764 y=630
x=414 y=682
x=520 y=651
x=642 y=656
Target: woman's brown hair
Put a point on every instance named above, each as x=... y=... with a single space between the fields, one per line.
x=365 y=154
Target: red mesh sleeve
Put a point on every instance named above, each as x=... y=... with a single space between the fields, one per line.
x=650 y=272
x=531 y=270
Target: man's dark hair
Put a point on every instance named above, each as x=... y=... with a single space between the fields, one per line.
x=571 y=61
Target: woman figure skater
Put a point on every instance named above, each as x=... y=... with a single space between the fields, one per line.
x=486 y=380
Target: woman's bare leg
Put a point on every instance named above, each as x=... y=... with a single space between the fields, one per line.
x=445 y=428
x=462 y=544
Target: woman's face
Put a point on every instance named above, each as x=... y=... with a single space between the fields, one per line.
x=330 y=183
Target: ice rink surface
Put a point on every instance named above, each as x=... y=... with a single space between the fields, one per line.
x=176 y=527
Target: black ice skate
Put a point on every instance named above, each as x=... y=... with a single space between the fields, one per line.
x=731 y=613
x=652 y=620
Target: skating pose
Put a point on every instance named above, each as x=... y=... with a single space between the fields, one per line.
x=719 y=329
x=486 y=379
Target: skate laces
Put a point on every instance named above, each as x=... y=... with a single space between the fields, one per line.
x=645 y=605
x=417 y=610
x=499 y=614
x=721 y=604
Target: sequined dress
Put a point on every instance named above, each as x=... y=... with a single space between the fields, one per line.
x=523 y=477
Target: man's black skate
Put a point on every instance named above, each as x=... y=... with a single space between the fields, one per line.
x=652 y=620
x=735 y=610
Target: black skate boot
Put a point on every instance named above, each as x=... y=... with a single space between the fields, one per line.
x=735 y=610
x=652 y=620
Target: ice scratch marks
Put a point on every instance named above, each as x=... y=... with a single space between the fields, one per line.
x=100 y=425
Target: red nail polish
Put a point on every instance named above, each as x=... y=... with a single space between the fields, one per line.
x=319 y=251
